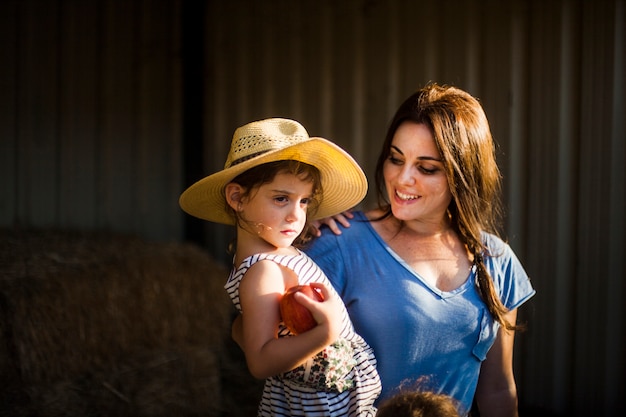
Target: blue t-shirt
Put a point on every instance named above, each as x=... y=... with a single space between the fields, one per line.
x=417 y=330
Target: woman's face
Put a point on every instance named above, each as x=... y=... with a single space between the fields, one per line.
x=417 y=186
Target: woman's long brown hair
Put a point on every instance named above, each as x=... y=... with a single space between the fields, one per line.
x=463 y=138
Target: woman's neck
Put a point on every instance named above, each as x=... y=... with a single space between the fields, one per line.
x=391 y=226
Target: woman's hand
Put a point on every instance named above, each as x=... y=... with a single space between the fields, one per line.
x=331 y=222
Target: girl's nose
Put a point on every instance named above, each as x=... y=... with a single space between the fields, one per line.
x=294 y=213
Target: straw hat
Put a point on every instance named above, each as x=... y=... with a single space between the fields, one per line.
x=343 y=182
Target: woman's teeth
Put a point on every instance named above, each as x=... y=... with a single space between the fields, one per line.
x=406 y=196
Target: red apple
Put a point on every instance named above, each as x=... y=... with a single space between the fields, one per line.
x=297 y=317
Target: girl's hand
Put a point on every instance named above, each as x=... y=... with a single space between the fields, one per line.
x=331 y=222
x=326 y=313
x=259 y=295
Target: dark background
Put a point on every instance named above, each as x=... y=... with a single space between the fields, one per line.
x=110 y=108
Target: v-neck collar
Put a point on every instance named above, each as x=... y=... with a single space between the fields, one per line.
x=442 y=294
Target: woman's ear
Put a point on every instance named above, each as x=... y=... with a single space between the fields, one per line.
x=233 y=193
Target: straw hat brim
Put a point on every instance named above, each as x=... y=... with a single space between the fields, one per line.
x=343 y=182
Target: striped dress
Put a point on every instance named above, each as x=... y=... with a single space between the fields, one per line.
x=284 y=397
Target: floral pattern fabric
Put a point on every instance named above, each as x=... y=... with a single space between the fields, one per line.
x=329 y=370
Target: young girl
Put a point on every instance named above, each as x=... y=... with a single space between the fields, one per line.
x=274 y=181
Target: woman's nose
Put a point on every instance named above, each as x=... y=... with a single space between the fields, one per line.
x=406 y=175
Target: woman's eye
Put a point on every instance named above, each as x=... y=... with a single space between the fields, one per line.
x=427 y=171
x=394 y=160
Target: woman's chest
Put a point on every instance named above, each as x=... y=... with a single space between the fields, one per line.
x=444 y=266
x=401 y=306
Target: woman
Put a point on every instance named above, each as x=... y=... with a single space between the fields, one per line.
x=426 y=280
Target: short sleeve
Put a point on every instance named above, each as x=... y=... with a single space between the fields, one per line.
x=511 y=280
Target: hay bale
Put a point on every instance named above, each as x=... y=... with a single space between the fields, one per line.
x=96 y=324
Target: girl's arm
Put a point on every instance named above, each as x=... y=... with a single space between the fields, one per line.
x=259 y=294
x=496 y=393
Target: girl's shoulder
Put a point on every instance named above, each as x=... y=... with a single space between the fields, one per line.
x=258 y=263
x=265 y=269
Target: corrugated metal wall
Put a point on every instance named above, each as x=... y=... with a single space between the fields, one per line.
x=91 y=115
x=94 y=127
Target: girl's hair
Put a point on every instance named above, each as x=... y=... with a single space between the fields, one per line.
x=256 y=176
x=462 y=136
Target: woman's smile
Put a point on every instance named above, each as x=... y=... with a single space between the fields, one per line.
x=406 y=197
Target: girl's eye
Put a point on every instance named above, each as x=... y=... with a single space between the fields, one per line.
x=281 y=199
x=305 y=201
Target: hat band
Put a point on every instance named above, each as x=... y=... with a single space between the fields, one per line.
x=245 y=158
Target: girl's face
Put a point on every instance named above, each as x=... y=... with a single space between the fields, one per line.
x=414 y=174
x=276 y=211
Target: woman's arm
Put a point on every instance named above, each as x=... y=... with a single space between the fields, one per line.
x=496 y=393
x=259 y=294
